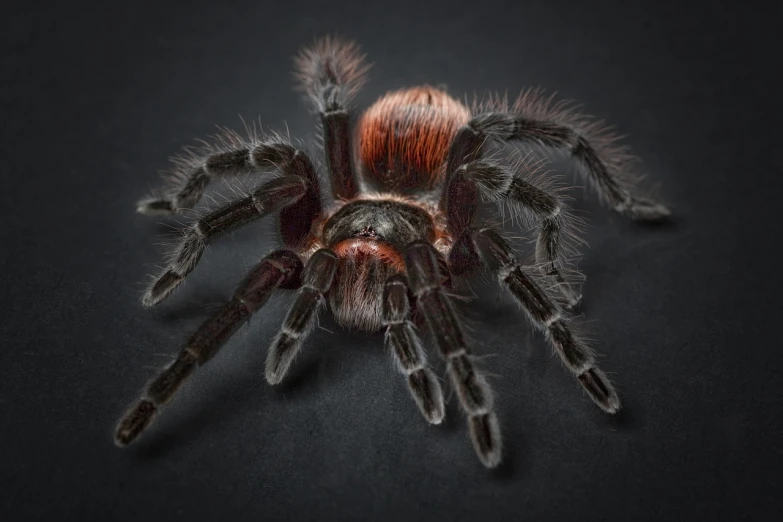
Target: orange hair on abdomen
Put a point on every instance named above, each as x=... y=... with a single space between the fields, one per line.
x=404 y=137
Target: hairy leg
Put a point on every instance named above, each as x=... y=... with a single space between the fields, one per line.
x=404 y=344
x=331 y=71
x=497 y=182
x=541 y=121
x=475 y=395
x=317 y=278
x=280 y=269
x=497 y=255
x=230 y=156
x=271 y=196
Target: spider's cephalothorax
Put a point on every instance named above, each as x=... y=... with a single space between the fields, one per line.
x=369 y=237
x=399 y=226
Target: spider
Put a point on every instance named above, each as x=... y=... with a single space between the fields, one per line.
x=400 y=225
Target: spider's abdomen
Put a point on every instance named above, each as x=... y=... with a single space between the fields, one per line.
x=404 y=137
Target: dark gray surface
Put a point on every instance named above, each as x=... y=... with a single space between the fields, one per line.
x=95 y=99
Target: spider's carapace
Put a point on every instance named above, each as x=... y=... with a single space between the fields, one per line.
x=369 y=235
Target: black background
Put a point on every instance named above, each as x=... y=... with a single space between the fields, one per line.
x=96 y=98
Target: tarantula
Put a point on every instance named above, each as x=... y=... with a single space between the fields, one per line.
x=406 y=183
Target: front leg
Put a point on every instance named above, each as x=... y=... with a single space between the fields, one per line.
x=317 y=277
x=473 y=391
x=404 y=344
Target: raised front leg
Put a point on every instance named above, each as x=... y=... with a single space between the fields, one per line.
x=331 y=72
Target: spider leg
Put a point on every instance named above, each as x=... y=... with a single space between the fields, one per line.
x=475 y=395
x=232 y=157
x=331 y=72
x=280 y=269
x=317 y=278
x=498 y=182
x=497 y=255
x=404 y=344
x=273 y=195
x=536 y=119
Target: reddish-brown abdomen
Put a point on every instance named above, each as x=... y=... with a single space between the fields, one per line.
x=404 y=137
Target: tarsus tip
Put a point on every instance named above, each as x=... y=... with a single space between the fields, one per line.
x=148 y=300
x=134 y=422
